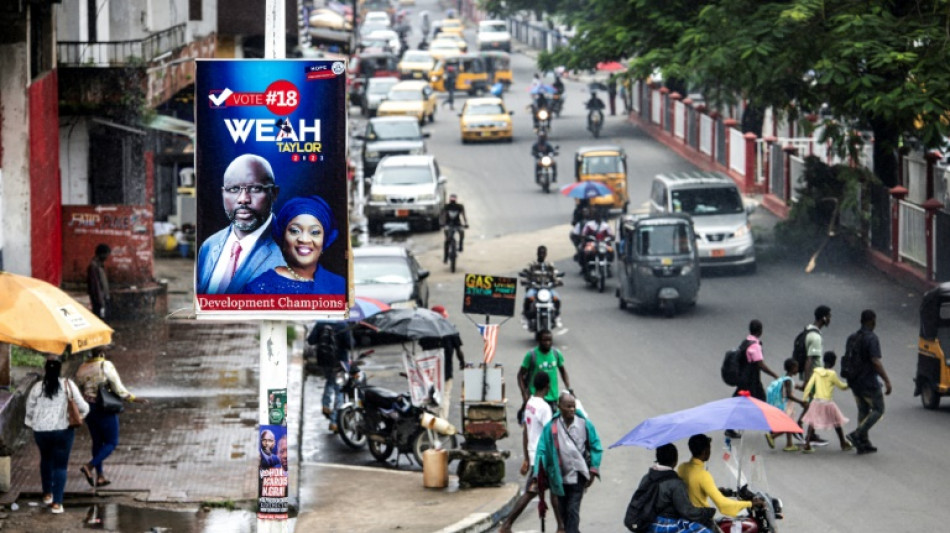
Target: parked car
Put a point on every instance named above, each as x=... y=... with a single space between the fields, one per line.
x=368 y=65
x=376 y=91
x=485 y=119
x=385 y=136
x=493 y=35
x=720 y=219
x=390 y=37
x=410 y=98
x=377 y=17
x=390 y=274
x=406 y=188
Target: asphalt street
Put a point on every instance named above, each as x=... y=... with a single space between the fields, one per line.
x=626 y=367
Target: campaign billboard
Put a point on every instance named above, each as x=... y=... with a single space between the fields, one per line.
x=270 y=150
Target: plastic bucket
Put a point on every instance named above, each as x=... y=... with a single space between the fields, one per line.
x=435 y=469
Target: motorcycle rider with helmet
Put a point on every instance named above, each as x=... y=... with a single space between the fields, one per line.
x=540 y=149
x=453 y=219
x=594 y=105
x=597 y=230
x=539 y=102
x=537 y=273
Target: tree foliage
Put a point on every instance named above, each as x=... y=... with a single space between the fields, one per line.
x=881 y=65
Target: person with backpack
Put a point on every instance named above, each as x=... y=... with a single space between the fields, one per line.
x=537 y=415
x=807 y=352
x=780 y=394
x=568 y=458
x=750 y=368
x=700 y=485
x=661 y=502
x=543 y=358
x=861 y=366
x=333 y=347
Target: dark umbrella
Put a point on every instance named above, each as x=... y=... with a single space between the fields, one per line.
x=411 y=323
x=597 y=86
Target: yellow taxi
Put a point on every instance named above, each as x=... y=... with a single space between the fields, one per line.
x=410 y=98
x=485 y=119
x=455 y=38
x=442 y=48
x=452 y=26
x=416 y=65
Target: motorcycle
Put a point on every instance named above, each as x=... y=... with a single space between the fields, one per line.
x=390 y=422
x=598 y=257
x=595 y=121
x=351 y=380
x=542 y=121
x=545 y=169
x=557 y=104
x=757 y=519
x=542 y=313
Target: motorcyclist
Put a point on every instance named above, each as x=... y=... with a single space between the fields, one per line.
x=558 y=84
x=594 y=105
x=540 y=102
x=539 y=149
x=596 y=230
x=453 y=217
x=537 y=273
x=578 y=222
x=558 y=100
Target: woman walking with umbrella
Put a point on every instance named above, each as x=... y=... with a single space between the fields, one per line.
x=46 y=408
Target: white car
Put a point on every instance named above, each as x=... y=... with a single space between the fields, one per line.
x=493 y=35
x=377 y=16
x=406 y=188
x=389 y=36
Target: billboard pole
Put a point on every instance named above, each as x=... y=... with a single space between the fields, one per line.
x=273 y=353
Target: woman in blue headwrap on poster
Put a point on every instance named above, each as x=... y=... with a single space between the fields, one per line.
x=303 y=229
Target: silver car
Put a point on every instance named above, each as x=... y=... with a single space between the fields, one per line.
x=406 y=188
x=376 y=91
x=720 y=219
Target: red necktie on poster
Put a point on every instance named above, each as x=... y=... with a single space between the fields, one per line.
x=232 y=265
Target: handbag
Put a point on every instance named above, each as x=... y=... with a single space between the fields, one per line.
x=73 y=416
x=108 y=401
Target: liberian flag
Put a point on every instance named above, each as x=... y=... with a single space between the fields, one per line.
x=489 y=332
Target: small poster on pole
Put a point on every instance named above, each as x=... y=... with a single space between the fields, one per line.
x=425 y=372
x=272 y=473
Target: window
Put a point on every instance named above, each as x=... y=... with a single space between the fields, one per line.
x=663 y=240
x=194 y=9
x=708 y=201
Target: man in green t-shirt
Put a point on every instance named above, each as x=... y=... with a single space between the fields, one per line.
x=546 y=359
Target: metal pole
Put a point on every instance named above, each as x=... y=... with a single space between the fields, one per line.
x=273 y=333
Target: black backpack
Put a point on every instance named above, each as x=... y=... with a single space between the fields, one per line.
x=641 y=512
x=734 y=365
x=800 y=352
x=327 y=347
x=851 y=361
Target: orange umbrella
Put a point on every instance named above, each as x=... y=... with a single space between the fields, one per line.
x=41 y=317
x=610 y=66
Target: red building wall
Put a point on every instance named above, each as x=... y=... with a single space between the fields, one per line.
x=45 y=196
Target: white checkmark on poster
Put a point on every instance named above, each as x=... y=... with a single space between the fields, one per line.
x=219 y=99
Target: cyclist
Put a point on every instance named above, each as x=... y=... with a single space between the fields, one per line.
x=453 y=219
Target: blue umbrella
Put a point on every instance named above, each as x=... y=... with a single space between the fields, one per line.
x=738 y=412
x=586 y=189
x=542 y=88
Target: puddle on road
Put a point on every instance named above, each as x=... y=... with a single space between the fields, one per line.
x=126 y=518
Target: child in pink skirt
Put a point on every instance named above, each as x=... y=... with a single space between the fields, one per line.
x=822 y=412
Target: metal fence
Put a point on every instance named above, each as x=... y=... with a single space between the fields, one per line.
x=120 y=53
x=679 y=122
x=941 y=253
x=656 y=107
x=737 y=151
x=915 y=178
x=796 y=171
x=912 y=231
x=536 y=35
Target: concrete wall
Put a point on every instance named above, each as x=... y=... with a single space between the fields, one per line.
x=74 y=160
x=15 y=163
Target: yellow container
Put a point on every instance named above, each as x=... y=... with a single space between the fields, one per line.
x=435 y=469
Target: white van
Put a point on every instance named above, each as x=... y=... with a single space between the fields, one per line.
x=721 y=221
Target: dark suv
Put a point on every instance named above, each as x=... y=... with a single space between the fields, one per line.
x=390 y=136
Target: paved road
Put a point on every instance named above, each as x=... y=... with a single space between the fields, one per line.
x=627 y=367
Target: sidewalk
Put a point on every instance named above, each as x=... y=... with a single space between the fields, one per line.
x=196 y=441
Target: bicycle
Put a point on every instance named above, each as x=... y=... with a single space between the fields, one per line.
x=450 y=246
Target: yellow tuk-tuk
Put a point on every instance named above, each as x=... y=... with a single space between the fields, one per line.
x=608 y=165
x=470 y=74
x=498 y=65
x=933 y=347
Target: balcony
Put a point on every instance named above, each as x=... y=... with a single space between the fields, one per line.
x=121 y=53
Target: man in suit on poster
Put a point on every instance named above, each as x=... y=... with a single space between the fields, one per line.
x=245 y=248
